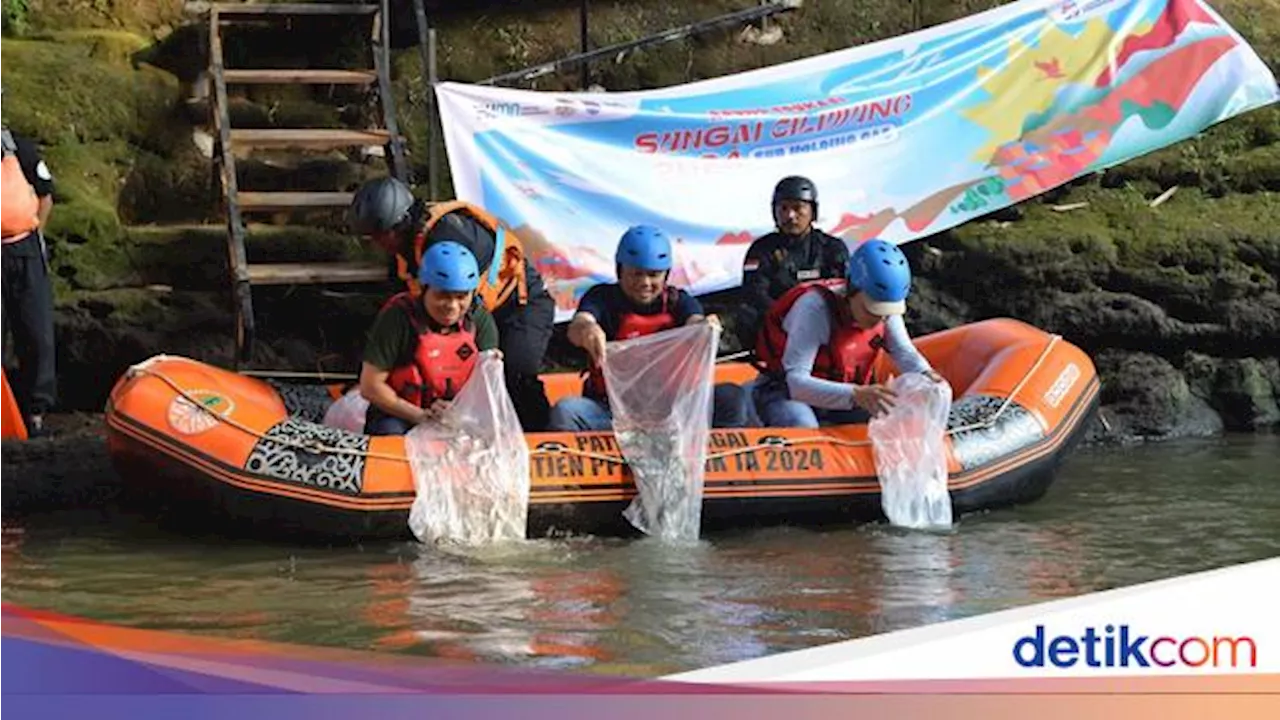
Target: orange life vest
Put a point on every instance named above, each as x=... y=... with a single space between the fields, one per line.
x=506 y=274
x=19 y=204
x=634 y=325
x=847 y=357
x=441 y=362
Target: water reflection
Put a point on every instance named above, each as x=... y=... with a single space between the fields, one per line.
x=640 y=607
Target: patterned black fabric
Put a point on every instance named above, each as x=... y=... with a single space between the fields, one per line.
x=1014 y=430
x=305 y=402
x=336 y=472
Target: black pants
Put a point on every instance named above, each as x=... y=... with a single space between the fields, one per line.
x=28 y=314
x=523 y=334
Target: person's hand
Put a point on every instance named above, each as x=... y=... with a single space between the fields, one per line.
x=594 y=343
x=934 y=376
x=876 y=399
x=714 y=321
x=434 y=411
x=495 y=353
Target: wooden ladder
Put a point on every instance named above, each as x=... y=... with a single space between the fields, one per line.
x=237 y=202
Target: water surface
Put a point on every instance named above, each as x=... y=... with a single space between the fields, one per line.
x=1113 y=518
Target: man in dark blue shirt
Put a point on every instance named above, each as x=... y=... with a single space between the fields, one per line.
x=28 y=293
x=798 y=252
x=640 y=303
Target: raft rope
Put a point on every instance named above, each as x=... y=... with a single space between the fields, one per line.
x=316 y=446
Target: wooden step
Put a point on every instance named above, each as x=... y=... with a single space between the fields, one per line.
x=316 y=273
x=307 y=77
x=229 y=9
x=309 y=139
x=272 y=201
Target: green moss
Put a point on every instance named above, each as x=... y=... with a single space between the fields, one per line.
x=113 y=46
x=142 y=308
x=282 y=112
x=151 y=17
x=175 y=189
x=194 y=257
x=84 y=229
x=57 y=92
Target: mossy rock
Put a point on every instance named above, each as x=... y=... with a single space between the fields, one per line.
x=1147 y=397
x=1245 y=391
x=194 y=257
x=151 y=17
x=282 y=112
x=84 y=229
x=174 y=189
x=113 y=46
x=58 y=92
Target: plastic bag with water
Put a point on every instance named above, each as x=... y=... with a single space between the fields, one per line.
x=909 y=444
x=471 y=467
x=348 y=412
x=660 y=392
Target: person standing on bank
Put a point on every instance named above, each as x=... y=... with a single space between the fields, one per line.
x=796 y=252
x=510 y=288
x=28 y=294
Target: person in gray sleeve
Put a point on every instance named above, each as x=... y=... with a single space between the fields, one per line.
x=818 y=345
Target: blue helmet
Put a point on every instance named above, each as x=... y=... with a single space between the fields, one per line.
x=881 y=272
x=644 y=247
x=449 y=266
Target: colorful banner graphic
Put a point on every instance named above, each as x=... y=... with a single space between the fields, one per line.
x=905 y=137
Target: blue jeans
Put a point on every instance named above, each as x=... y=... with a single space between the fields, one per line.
x=776 y=409
x=730 y=409
x=377 y=422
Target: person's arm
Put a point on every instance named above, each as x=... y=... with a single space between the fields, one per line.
x=585 y=330
x=689 y=311
x=374 y=388
x=37 y=173
x=835 y=257
x=486 y=329
x=897 y=341
x=755 y=291
x=808 y=328
x=386 y=346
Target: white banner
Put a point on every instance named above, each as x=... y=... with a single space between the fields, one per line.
x=905 y=137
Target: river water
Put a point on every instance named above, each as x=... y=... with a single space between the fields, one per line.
x=1113 y=518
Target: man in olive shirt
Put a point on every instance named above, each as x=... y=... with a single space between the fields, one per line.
x=421 y=351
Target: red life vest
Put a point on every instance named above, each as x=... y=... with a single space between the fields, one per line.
x=441 y=362
x=847 y=357
x=634 y=325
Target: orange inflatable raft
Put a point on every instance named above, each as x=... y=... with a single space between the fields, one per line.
x=212 y=442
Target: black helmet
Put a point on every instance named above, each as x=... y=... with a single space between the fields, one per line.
x=380 y=204
x=795 y=187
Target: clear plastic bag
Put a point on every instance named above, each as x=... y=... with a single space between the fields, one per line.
x=471 y=467
x=348 y=412
x=660 y=392
x=910 y=449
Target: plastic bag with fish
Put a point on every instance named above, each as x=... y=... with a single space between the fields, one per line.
x=471 y=467
x=348 y=412
x=660 y=392
x=910 y=449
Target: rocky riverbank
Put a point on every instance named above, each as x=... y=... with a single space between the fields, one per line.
x=1175 y=295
